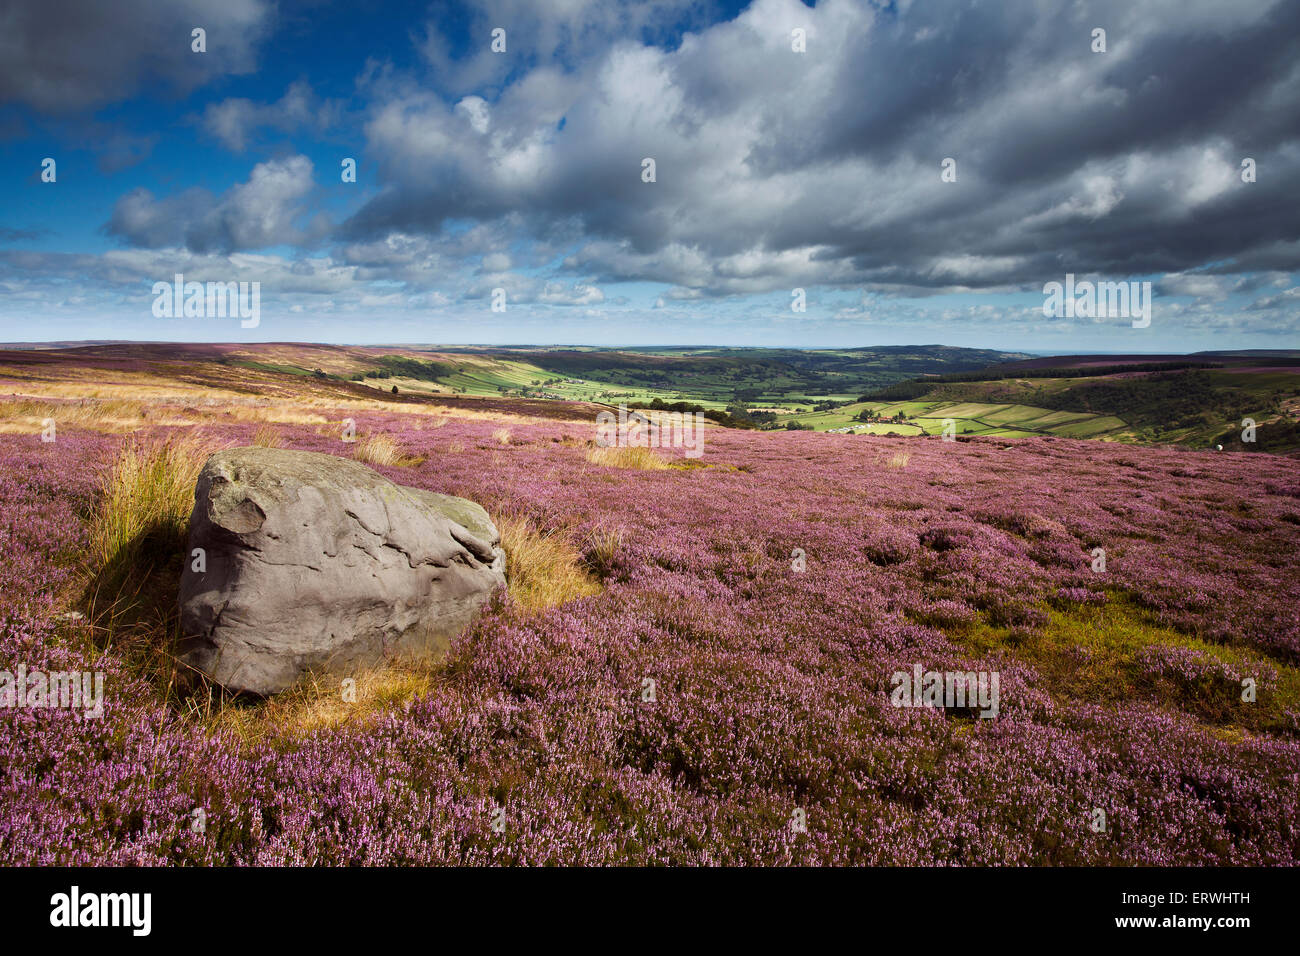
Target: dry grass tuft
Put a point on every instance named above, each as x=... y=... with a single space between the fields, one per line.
x=502 y=436
x=138 y=531
x=377 y=450
x=268 y=437
x=149 y=489
x=637 y=457
x=543 y=568
x=899 y=460
x=383 y=450
x=602 y=549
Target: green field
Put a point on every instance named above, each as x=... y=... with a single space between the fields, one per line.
x=969 y=418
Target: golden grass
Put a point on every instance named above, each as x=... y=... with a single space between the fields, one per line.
x=316 y=702
x=139 y=400
x=502 y=436
x=543 y=568
x=135 y=388
x=899 y=460
x=150 y=488
x=382 y=450
x=137 y=530
x=470 y=414
x=29 y=416
x=282 y=413
x=378 y=450
x=637 y=457
x=296 y=412
x=268 y=437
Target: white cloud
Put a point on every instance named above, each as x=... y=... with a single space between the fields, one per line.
x=268 y=209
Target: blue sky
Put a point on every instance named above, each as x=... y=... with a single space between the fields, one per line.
x=796 y=147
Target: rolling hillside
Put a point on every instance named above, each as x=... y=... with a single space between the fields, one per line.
x=1196 y=400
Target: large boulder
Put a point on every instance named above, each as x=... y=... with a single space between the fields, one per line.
x=314 y=562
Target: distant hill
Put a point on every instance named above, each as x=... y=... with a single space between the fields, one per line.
x=1283 y=357
x=1198 y=399
x=713 y=377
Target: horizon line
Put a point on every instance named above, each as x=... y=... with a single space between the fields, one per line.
x=92 y=343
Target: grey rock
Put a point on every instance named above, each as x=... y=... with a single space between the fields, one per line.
x=315 y=562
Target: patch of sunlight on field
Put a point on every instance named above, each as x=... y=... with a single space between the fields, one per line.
x=910 y=409
x=1095 y=426
x=1017 y=415
x=876 y=428
x=414 y=386
x=970 y=410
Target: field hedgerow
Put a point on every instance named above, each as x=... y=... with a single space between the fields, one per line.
x=733 y=668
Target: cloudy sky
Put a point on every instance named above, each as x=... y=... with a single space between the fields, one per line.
x=794 y=147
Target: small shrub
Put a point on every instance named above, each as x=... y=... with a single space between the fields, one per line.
x=890 y=547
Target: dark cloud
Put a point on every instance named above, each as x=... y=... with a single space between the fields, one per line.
x=774 y=166
x=64 y=56
x=9 y=234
